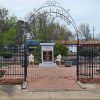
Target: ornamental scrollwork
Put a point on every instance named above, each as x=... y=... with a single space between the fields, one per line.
x=51 y=3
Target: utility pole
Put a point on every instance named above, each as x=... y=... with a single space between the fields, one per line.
x=93 y=32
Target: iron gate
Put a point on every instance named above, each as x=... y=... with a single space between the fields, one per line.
x=13 y=67
x=89 y=62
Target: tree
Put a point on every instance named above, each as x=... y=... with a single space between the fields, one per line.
x=10 y=33
x=58 y=32
x=3 y=19
x=7 y=27
x=22 y=28
x=3 y=23
x=44 y=28
x=84 y=32
x=70 y=35
x=97 y=36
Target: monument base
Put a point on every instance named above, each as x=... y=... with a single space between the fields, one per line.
x=47 y=65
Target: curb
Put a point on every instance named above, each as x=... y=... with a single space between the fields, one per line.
x=84 y=88
x=24 y=85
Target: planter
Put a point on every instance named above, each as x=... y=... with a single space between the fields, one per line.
x=74 y=62
x=68 y=63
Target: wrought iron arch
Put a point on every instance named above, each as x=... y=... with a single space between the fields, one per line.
x=59 y=11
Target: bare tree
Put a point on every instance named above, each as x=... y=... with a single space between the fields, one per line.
x=97 y=36
x=84 y=32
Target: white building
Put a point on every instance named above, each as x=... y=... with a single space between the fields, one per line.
x=71 y=44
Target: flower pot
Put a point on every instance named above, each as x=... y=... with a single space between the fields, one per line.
x=68 y=63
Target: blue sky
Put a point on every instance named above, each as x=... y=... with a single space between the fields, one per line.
x=82 y=11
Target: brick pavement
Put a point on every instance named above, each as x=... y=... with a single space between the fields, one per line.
x=52 y=78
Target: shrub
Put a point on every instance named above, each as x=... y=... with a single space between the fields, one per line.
x=6 y=54
x=60 y=49
x=37 y=54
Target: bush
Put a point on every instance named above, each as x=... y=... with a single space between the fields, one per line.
x=37 y=54
x=6 y=54
x=60 y=49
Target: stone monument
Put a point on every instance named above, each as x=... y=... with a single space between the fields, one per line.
x=47 y=55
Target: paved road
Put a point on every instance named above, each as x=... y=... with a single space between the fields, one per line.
x=13 y=92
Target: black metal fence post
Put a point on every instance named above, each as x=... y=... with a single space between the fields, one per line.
x=25 y=62
x=92 y=60
x=78 y=60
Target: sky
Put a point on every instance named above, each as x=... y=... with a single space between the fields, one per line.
x=82 y=11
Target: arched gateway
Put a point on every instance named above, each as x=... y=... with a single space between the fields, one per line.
x=14 y=66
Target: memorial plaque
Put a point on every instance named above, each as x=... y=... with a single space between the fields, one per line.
x=47 y=56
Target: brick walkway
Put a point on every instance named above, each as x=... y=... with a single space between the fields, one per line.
x=52 y=78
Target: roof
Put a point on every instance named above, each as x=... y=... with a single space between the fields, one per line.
x=67 y=42
x=74 y=42
x=92 y=42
